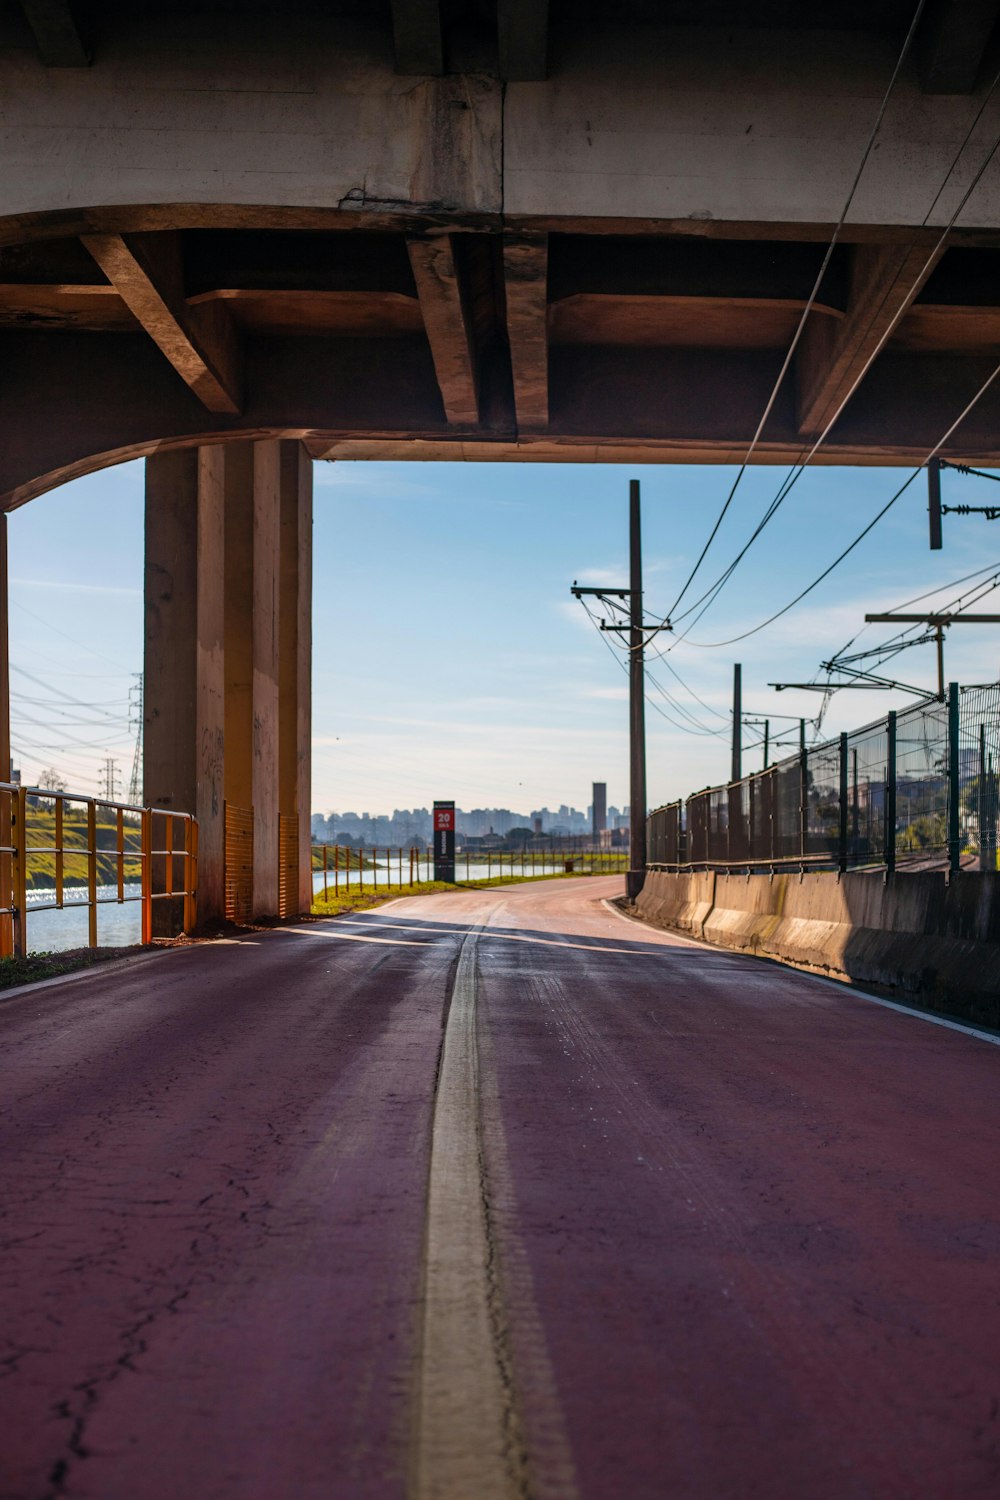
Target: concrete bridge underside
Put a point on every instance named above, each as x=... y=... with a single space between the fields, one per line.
x=482 y=231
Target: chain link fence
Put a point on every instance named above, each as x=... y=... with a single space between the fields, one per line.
x=916 y=790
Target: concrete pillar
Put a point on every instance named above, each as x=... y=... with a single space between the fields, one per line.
x=183 y=732
x=228 y=653
x=252 y=529
x=4 y=656
x=6 y=863
x=295 y=655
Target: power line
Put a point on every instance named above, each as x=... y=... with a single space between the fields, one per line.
x=82 y=645
x=863 y=533
x=59 y=693
x=685 y=728
x=806 y=457
x=869 y=146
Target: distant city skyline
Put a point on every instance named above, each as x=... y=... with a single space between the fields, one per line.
x=402 y=824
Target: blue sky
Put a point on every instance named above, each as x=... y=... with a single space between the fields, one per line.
x=450 y=660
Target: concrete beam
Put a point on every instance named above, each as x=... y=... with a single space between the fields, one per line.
x=447 y=325
x=183 y=732
x=525 y=260
x=418 y=38
x=295 y=659
x=833 y=355
x=951 y=42
x=199 y=341
x=58 y=37
x=523 y=39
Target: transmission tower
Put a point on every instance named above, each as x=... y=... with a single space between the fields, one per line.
x=135 y=722
x=109 y=779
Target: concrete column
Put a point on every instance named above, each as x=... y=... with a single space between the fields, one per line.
x=6 y=863
x=183 y=733
x=295 y=654
x=4 y=656
x=228 y=653
x=252 y=532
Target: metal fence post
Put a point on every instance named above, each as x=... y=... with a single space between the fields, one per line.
x=803 y=802
x=843 y=803
x=92 y=872
x=954 y=829
x=889 y=831
x=191 y=875
x=20 y=843
x=146 y=876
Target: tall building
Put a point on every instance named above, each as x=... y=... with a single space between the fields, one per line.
x=599 y=818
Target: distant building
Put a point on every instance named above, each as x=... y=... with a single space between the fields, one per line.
x=599 y=820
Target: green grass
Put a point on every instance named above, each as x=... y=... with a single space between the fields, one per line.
x=355 y=900
x=41 y=830
x=339 y=856
x=35 y=966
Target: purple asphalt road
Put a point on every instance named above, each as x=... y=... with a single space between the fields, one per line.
x=746 y=1222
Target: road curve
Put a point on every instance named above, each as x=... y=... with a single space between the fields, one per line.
x=493 y=1194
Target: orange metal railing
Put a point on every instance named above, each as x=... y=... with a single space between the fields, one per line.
x=67 y=842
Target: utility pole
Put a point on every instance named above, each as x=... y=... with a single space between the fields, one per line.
x=934 y=502
x=935 y=510
x=737 y=764
x=637 y=703
x=636 y=634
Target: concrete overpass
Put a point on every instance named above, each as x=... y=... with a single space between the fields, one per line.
x=483 y=231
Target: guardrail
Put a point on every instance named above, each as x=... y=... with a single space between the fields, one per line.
x=917 y=790
x=65 y=843
x=342 y=866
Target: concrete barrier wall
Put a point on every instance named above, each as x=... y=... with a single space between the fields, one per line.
x=921 y=938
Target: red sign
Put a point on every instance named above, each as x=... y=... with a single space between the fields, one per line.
x=444 y=818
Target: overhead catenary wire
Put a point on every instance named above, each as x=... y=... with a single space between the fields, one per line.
x=688 y=728
x=744 y=635
x=807 y=454
x=916 y=634
x=811 y=300
x=917 y=599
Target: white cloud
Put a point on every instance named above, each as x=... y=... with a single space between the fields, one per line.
x=64 y=586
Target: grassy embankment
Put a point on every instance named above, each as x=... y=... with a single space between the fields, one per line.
x=41 y=835
x=340 y=858
x=354 y=900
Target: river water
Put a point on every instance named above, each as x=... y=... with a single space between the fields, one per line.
x=118 y=925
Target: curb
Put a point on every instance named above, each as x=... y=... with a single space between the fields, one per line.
x=94 y=971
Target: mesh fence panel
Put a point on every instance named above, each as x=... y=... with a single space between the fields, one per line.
x=978 y=772
x=822 y=829
x=793 y=811
x=663 y=845
x=922 y=784
x=867 y=763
